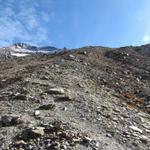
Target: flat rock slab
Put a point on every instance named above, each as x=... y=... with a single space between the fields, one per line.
x=56 y=91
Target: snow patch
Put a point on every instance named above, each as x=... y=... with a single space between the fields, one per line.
x=18 y=54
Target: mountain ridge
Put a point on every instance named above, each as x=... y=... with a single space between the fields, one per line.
x=23 y=49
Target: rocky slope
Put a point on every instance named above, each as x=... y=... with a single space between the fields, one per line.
x=92 y=98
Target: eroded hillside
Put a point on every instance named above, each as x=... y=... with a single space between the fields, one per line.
x=92 y=98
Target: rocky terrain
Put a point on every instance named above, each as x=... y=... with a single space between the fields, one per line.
x=22 y=49
x=92 y=98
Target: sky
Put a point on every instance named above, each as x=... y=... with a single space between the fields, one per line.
x=75 y=23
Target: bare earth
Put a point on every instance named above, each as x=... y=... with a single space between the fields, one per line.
x=92 y=98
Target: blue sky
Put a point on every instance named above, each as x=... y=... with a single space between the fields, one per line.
x=75 y=23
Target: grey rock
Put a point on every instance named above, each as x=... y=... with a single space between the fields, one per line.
x=144 y=139
x=37 y=113
x=134 y=128
x=19 y=96
x=9 y=120
x=47 y=107
x=32 y=133
x=39 y=131
x=64 y=98
x=109 y=135
x=56 y=91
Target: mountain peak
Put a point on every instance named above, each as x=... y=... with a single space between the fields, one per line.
x=23 y=49
x=24 y=46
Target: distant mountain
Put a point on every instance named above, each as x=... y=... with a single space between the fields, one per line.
x=24 y=46
x=48 y=48
x=22 y=49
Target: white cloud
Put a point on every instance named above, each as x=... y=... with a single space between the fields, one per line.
x=146 y=38
x=22 y=20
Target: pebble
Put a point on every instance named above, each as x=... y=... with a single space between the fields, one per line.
x=65 y=109
x=64 y=98
x=47 y=107
x=56 y=91
x=108 y=135
x=115 y=119
x=71 y=56
x=20 y=143
x=37 y=113
x=39 y=131
x=144 y=139
x=134 y=128
x=87 y=140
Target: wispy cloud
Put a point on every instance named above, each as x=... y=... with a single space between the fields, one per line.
x=146 y=38
x=24 y=21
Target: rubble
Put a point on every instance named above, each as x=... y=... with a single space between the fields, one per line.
x=10 y=120
x=90 y=98
x=31 y=133
x=52 y=136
